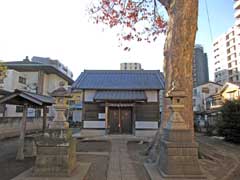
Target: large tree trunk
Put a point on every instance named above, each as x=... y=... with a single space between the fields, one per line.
x=178 y=55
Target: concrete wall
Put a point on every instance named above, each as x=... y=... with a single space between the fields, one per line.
x=53 y=83
x=10 y=126
x=11 y=81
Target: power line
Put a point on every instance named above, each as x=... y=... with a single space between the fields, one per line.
x=209 y=23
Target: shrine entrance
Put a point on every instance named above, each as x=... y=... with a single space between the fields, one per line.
x=120 y=120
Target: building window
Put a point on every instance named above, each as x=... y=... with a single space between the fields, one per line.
x=194 y=102
x=71 y=102
x=227 y=37
x=195 y=92
x=19 y=109
x=22 y=80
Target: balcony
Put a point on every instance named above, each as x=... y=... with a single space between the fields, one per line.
x=237 y=13
x=236 y=5
x=237 y=22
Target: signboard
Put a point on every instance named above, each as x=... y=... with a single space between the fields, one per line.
x=101 y=115
x=205 y=90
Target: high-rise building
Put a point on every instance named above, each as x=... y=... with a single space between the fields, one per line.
x=200 y=66
x=226 y=52
x=130 y=66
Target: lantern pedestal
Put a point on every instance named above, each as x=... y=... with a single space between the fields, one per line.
x=56 y=148
x=178 y=150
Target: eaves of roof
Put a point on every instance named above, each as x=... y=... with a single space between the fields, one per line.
x=49 y=69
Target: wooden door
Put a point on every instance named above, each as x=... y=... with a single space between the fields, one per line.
x=114 y=120
x=126 y=121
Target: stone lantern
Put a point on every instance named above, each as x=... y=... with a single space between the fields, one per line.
x=56 y=148
x=60 y=95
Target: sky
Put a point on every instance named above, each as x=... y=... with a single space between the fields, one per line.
x=60 y=29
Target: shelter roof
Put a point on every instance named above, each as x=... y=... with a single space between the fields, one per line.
x=19 y=97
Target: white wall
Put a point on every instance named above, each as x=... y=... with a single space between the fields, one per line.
x=53 y=83
x=152 y=96
x=89 y=95
x=93 y=124
x=200 y=97
x=11 y=81
x=146 y=125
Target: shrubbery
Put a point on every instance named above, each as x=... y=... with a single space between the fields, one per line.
x=229 y=124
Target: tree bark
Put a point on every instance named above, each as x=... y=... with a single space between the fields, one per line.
x=20 y=152
x=178 y=55
x=178 y=51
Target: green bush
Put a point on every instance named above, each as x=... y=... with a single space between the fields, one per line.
x=229 y=125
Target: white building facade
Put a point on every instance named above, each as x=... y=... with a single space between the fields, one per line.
x=201 y=93
x=130 y=66
x=28 y=76
x=226 y=52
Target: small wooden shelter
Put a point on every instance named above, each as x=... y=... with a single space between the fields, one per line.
x=27 y=99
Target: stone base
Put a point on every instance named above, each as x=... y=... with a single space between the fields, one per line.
x=79 y=174
x=59 y=125
x=56 y=153
x=153 y=172
x=179 y=155
x=30 y=149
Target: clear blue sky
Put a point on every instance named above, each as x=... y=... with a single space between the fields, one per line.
x=221 y=14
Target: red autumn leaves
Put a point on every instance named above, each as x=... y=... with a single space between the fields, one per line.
x=140 y=20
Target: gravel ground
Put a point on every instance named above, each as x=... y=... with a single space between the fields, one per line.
x=220 y=160
x=9 y=167
x=135 y=150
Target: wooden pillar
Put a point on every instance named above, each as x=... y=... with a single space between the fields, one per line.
x=106 y=118
x=20 y=153
x=119 y=120
x=4 y=110
x=134 y=119
x=44 y=118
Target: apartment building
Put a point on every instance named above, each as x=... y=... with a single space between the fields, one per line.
x=33 y=77
x=130 y=66
x=226 y=52
x=200 y=66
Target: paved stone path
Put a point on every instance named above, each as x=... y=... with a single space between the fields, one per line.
x=120 y=164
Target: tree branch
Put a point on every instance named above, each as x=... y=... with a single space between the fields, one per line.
x=165 y=3
x=140 y=3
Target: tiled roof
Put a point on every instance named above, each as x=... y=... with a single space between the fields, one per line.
x=120 y=95
x=120 y=80
x=44 y=99
x=19 y=97
x=4 y=92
